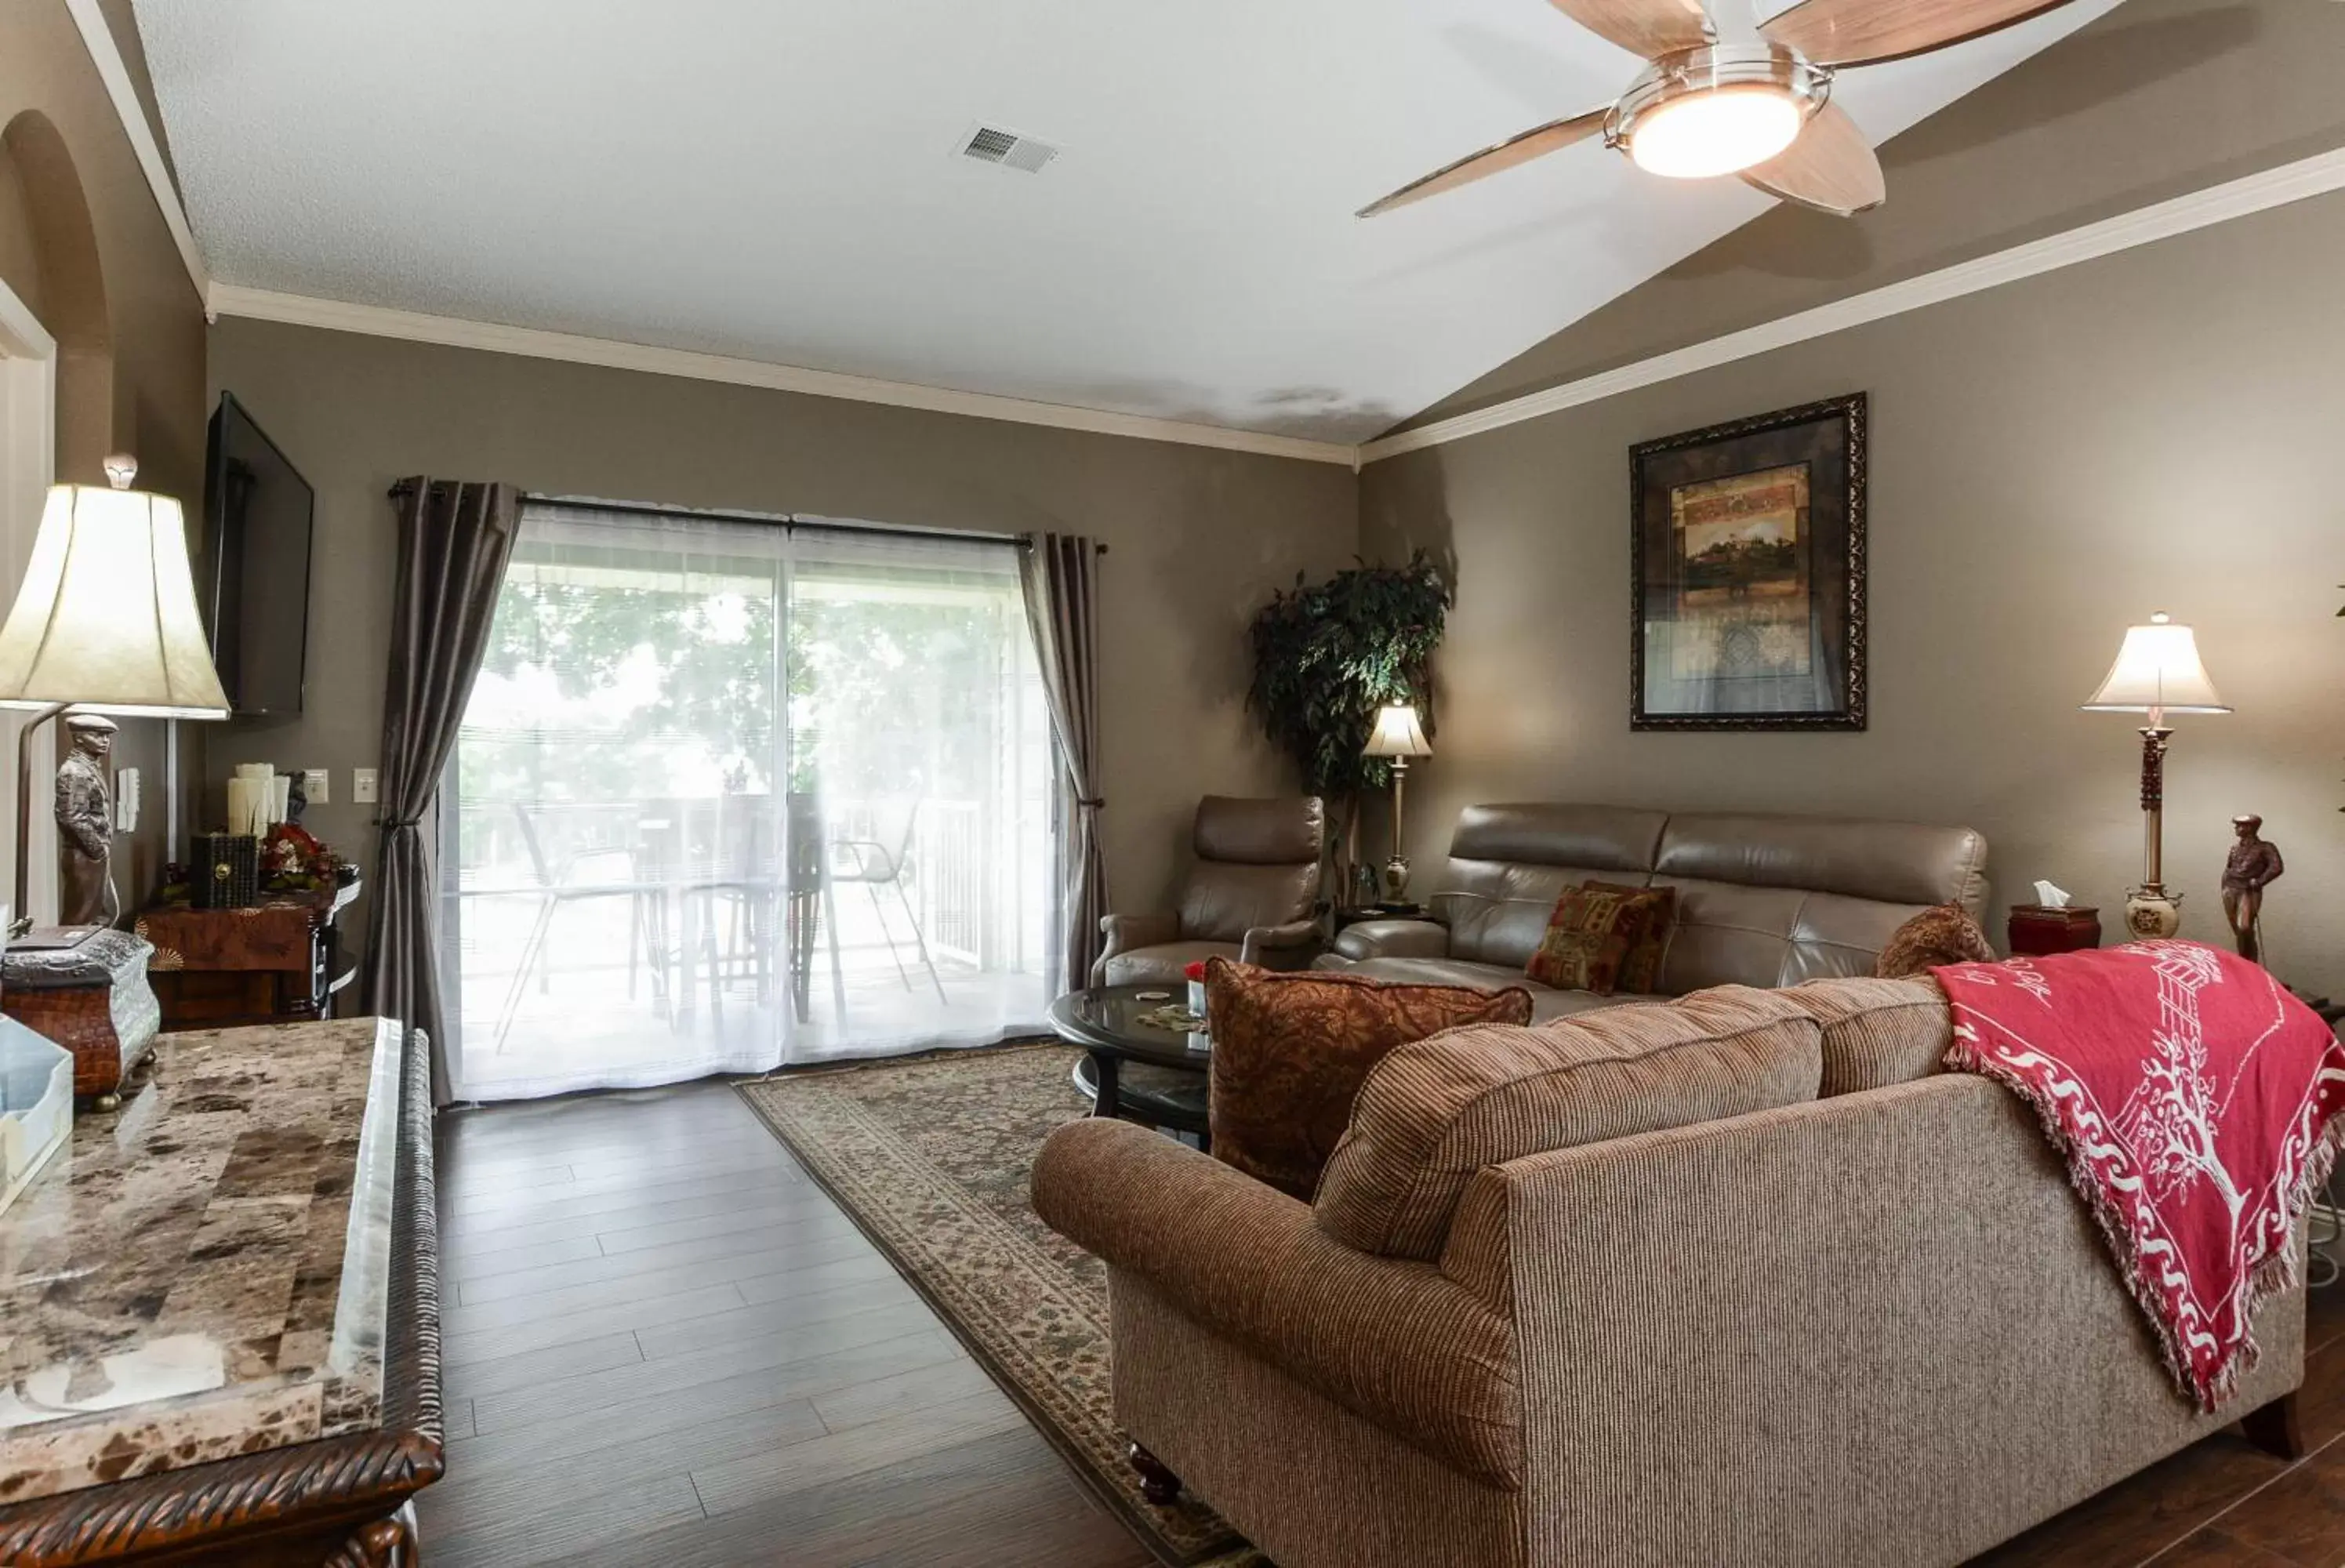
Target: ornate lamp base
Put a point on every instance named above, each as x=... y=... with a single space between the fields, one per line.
x=2151 y=912
x=1397 y=879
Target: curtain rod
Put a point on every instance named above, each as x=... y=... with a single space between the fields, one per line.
x=769 y=519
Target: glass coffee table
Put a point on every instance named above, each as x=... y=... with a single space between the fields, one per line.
x=1131 y=1068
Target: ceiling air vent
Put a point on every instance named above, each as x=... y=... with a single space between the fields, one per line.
x=990 y=143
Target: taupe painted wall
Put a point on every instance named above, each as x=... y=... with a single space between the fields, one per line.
x=2050 y=461
x=149 y=336
x=2157 y=98
x=1198 y=537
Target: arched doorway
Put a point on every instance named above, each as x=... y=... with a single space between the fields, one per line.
x=56 y=402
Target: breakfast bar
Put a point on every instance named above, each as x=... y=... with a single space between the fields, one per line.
x=219 y=1311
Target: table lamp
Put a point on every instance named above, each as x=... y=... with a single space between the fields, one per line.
x=1398 y=736
x=2158 y=673
x=105 y=621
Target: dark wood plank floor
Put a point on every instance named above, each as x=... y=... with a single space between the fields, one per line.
x=664 y=1345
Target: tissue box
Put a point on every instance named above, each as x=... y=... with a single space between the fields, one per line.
x=35 y=1105
x=2038 y=928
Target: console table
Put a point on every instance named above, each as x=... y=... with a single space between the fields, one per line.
x=221 y=1312
x=280 y=959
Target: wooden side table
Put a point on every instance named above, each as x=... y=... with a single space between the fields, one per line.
x=278 y=962
x=2036 y=929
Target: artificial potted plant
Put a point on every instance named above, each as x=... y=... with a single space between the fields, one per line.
x=1326 y=657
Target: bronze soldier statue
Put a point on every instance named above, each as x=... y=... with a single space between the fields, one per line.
x=2254 y=864
x=84 y=806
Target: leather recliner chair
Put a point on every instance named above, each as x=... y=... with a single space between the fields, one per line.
x=1251 y=895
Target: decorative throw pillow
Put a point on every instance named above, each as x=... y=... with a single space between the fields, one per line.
x=1292 y=1049
x=1604 y=937
x=1943 y=933
x=1640 y=970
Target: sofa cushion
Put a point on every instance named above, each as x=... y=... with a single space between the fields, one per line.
x=1944 y=934
x=1776 y=900
x=1510 y=864
x=1604 y=937
x=1877 y=1032
x=1289 y=1051
x=1435 y=1112
x=1546 y=1002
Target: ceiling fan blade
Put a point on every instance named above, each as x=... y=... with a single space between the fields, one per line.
x=1646 y=27
x=1507 y=155
x=1830 y=168
x=1867 y=32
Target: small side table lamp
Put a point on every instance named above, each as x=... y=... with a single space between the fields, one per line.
x=2158 y=673
x=1397 y=736
x=105 y=622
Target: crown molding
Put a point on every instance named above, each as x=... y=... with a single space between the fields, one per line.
x=455 y=333
x=2278 y=187
x=98 y=39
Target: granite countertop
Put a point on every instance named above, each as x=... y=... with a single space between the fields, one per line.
x=205 y=1273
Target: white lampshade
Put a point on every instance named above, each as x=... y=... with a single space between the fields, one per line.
x=1397 y=733
x=106 y=618
x=2157 y=671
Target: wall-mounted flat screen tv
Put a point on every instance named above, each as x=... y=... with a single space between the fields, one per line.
x=254 y=582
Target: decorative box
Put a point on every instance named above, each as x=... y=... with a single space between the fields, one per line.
x=2038 y=928
x=93 y=1000
x=35 y=1105
x=225 y=871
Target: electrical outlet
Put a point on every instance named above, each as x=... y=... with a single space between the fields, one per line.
x=362 y=786
x=313 y=784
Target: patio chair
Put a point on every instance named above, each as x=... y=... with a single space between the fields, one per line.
x=646 y=920
x=880 y=861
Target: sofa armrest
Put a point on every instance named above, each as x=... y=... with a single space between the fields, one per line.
x=1392 y=1340
x=1292 y=946
x=1392 y=939
x=1126 y=932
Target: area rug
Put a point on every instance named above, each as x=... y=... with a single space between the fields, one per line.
x=930 y=1157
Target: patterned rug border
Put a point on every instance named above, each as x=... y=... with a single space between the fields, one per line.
x=1230 y=1550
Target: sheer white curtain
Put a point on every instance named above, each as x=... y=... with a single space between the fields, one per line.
x=733 y=794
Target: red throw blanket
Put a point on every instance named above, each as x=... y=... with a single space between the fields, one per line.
x=2195 y=1100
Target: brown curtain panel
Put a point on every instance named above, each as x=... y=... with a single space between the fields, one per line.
x=454 y=539
x=1061 y=575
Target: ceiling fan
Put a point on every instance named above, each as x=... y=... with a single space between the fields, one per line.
x=1724 y=95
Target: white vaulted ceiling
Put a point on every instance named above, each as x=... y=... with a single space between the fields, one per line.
x=780 y=180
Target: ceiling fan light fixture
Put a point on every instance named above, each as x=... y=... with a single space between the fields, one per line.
x=1718 y=132
x=1715 y=110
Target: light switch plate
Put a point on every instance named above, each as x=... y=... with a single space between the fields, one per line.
x=126 y=800
x=313 y=784
x=362 y=786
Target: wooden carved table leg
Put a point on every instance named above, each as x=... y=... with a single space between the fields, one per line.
x=385 y=1543
x=1159 y=1485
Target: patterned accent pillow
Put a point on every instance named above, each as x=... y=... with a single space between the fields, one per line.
x=1292 y=1049
x=1943 y=933
x=1604 y=937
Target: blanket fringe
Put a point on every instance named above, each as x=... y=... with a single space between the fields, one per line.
x=2270 y=1276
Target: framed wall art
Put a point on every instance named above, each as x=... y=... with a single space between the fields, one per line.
x=1748 y=573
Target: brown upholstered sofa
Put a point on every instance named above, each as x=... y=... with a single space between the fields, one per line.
x=1761 y=900
x=1250 y=895
x=1738 y=1279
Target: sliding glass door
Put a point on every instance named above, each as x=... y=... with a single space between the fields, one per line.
x=733 y=795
